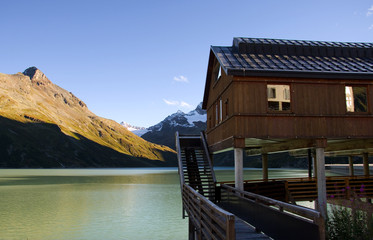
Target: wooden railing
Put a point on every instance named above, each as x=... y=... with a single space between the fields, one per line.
x=209 y=220
x=336 y=187
x=273 y=216
x=305 y=189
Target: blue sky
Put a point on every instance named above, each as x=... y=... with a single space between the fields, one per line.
x=139 y=61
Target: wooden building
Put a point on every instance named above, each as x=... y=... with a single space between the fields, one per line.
x=265 y=95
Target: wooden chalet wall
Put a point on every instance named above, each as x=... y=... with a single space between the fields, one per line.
x=318 y=110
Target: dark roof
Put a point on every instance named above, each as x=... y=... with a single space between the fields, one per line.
x=311 y=59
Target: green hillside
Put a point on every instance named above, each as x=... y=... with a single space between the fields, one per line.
x=43 y=125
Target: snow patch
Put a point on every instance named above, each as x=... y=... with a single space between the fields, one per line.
x=140 y=132
x=131 y=127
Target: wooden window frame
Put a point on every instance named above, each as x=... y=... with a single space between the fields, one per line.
x=268 y=99
x=367 y=99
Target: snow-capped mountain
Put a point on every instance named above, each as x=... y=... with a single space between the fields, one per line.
x=181 y=119
x=186 y=123
x=136 y=130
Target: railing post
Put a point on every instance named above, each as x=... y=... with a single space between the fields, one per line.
x=199 y=219
x=351 y=165
x=287 y=191
x=192 y=232
x=231 y=231
x=320 y=221
x=366 y=164
x=265 y=166
x=347 y=188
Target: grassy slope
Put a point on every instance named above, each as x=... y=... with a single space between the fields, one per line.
x=40 y=117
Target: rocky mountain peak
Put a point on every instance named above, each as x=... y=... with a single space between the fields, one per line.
x=199 y=109
x=37 y=76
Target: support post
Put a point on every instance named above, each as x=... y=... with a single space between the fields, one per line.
x=366 y=164
x=321 y=180
x=191 y=235
x=265 y=166
x=309 y=156
x=314 y=165
x=238 y=168
x=351 y=165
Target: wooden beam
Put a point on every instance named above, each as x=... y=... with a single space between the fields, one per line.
x=219 y=146
x=355 y=152
x=238 y=142
x=350 y=144
x=344 y=147
x=282 y=147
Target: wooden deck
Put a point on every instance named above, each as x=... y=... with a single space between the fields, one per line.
x=198 y=185
x=209 y=221
x=244 y=231
x=305 y=189
x=221 y=212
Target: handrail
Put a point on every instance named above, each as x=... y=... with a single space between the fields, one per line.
x=303 y=179
x=307 y=213
x=210 y=221
x=305 y=189
x=178 y=150
x=180 y=167
x=204 y=141
x=296 y=209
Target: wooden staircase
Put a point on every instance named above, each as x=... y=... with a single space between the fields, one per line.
x=195 y=168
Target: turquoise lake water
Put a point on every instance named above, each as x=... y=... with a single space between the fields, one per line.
x=69 y=204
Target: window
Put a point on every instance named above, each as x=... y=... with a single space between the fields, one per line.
x=356 y=98
x=216 y=114
x=219 y=74
x=226 y=108
x=221 y=110
x=287 y=94
x=271 y=92
x=278 y=97
x=216 y=74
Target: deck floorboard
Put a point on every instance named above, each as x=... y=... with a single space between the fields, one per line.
x=245 y=231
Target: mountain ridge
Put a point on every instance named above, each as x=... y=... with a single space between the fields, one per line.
x=31 y=98
x=163 y=133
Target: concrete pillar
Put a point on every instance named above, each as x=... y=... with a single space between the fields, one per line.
x=321 y=181
x=265 y=166
x=238 y=168
x=366 y=164
x=351 y=165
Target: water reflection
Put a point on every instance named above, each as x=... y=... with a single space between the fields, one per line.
x=99 y=203
x=104 y=206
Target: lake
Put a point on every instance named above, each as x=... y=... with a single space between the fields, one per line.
x=38 y=204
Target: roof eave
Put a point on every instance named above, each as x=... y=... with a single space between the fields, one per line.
x=208 y=79
x=299 y=74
